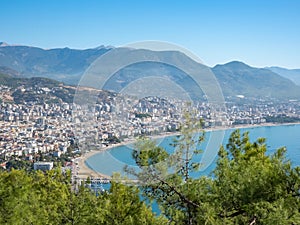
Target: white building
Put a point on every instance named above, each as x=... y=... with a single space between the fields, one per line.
x=43 y=166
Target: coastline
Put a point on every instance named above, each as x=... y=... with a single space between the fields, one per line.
x=241 y=126
x=85 y=171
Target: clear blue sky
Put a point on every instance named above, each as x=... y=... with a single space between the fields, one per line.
x=258 y=32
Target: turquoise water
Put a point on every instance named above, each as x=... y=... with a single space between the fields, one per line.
x=116 y=158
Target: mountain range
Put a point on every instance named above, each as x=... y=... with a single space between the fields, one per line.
x=237 y=78
x=293 y=75
x=68 y=65
x=61 y=64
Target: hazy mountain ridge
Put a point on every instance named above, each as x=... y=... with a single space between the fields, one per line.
x=62 y=64
x=8 y=71
x=292 y=74
x=68 y=65
x=237 y=78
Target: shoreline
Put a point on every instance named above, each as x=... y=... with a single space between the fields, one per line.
x=241 y=126
x=84 y=170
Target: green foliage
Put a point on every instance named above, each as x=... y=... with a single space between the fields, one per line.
x=47 y=198
x=166 y=177
x=19 y=164
x=247 y=187
x=122 y=206
x=113 y=140
x=147 y=153
x=15 y=196
x=281 y=119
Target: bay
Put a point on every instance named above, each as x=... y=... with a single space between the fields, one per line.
x=114 y=159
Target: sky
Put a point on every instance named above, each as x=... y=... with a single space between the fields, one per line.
x=258 y=32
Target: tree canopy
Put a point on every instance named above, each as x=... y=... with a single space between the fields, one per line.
x=248 y=186
x=47 y=198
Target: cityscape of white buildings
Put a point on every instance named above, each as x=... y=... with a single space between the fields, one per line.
x=29 y=129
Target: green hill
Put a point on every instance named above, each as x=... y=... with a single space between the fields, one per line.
x=37 y=89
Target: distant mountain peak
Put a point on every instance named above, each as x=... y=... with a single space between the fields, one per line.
x=235 y=65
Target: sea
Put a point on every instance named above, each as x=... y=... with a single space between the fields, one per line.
x=116 y=158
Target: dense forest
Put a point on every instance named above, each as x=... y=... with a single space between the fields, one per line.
x=247 y=186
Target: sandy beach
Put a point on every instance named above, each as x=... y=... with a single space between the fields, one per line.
x=85 y=171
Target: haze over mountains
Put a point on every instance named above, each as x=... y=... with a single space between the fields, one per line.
x=67 y=65
x=293 y=74
x=239 y=78
x=64 y=64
